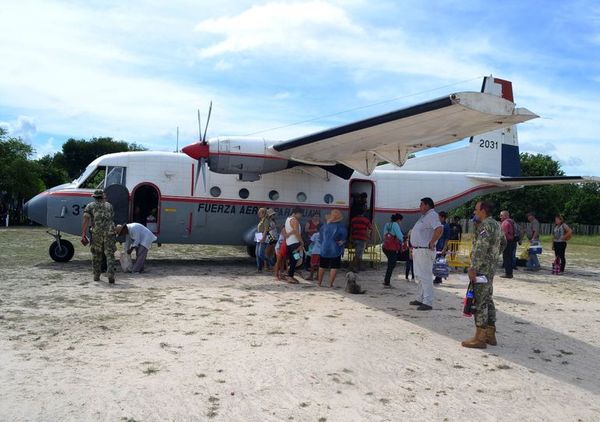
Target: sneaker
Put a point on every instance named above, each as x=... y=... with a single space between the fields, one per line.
x=415 y=303
x=437 y=280
x=506 y=276
x=111 y=279
x=424 y=307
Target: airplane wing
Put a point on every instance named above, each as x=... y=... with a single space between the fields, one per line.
x=535 y=181
x=393 y=136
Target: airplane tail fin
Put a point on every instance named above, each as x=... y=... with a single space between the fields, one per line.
x=495 y=152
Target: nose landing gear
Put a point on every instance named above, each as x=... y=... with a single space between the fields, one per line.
x=60 y=250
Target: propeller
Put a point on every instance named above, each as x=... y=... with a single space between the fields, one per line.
x=200 y=150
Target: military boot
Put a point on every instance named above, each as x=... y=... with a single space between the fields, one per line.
x=477 y=342
x=111 y=279
x=490 y=334
x=96 y=277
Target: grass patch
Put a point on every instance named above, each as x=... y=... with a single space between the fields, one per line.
x=151 y=370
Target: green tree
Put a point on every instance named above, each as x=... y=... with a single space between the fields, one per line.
x=77 y=154
x=19 y=177
x=545 y=201
x=583 y=205
x=50 y=171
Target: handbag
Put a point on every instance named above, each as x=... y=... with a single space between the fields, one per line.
x=440 y=267
x=126 y=262
x=390 y=241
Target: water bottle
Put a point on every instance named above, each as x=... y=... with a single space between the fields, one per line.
x=469 y=302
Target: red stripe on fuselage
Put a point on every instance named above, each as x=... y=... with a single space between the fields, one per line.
x=208 y=200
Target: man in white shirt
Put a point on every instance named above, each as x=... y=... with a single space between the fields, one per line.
x=423 y=237
x=137 y=237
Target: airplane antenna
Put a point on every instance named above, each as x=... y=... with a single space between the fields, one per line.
x=177 y=147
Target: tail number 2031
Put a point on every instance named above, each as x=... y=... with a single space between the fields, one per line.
x=486 y=143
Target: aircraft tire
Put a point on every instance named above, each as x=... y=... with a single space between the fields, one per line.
x=251 y=251
x=62 y=253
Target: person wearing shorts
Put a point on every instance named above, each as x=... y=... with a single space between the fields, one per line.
x=281 y=254
x=333 y=235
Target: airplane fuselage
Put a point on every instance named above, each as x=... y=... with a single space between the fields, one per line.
x=227 y=211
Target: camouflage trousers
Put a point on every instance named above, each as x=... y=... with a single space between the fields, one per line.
x=485 y=310
x=103 y=244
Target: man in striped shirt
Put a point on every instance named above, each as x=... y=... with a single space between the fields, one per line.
x=360 y=229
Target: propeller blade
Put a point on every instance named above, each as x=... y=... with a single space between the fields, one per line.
x=207 y=120
x=197 y=172
x=203 y=165
x=199 y=126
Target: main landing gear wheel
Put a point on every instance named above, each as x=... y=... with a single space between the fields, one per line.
x=61 y=251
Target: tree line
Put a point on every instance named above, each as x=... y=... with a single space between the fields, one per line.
x=22 y=177
x=579 y=203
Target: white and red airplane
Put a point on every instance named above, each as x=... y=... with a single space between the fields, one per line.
x=317 y=172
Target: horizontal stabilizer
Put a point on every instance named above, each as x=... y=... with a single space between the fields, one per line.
x=535 y=181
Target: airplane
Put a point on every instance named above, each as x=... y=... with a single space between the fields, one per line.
x=318 y=173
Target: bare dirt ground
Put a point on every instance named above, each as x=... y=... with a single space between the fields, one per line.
x=201 y=336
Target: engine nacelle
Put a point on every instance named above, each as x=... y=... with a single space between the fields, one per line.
x=248 y=157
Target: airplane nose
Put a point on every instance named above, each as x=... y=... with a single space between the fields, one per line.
x=36 y=209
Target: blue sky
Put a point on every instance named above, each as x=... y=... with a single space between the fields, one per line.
x=136 y=70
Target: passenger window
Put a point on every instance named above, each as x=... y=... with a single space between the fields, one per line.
x=215 y=191
x=244 y=193
x=115 y=176
x=273 y=195
x=301 y=197
x=328 y=198
x=95 y=180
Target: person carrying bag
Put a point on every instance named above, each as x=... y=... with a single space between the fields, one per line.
x=392 y=241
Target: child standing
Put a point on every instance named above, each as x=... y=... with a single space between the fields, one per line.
x=314 y=251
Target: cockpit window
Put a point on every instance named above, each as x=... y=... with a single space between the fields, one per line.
x=102 y=177
x=116 y=176
x=95 y=180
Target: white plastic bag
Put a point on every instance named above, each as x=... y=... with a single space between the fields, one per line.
x=126 y=262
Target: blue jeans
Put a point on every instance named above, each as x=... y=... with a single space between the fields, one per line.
x=260 y=255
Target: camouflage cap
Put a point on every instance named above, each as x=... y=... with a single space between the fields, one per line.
x=98 y=193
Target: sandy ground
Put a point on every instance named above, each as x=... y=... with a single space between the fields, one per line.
x=209 y=339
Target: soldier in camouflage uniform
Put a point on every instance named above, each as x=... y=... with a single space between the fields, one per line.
x=100 y=214
x=488 y=242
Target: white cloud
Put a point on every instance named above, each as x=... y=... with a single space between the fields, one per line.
x=48 y=148
x=24 y=127
x=137 y=70
x=323 y=32
x=572 y=162
x=283 y=95
x=305 y=24
x=545 y=148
